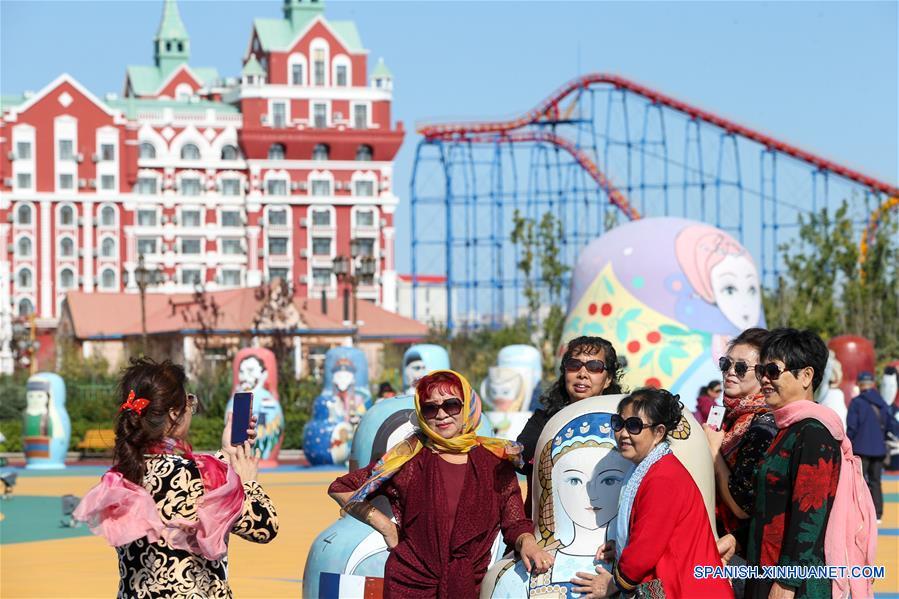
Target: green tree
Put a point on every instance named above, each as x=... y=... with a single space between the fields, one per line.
x=830 y=288
x=544 y=273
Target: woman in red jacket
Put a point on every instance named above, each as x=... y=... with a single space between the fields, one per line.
x=662 y=529
x=450 y=491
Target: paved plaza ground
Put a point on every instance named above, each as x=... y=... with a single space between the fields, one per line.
x=38 y=558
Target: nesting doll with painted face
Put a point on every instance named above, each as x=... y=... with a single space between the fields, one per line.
x=420 y=360
x=578 y=475
x=509 y=388
x=256 y=370
x=47 y=428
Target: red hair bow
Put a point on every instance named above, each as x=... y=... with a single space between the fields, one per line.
x=137 y=405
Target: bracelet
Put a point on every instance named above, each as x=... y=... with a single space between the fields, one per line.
x=360 y=510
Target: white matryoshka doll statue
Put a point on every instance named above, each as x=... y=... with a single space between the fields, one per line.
x=508 y=390
x=578 y=476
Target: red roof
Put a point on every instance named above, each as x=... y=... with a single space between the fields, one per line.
x=423 y=278
x=99 y=315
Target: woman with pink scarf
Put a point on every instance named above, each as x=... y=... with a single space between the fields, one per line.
x=167 y=511
x=812 y=507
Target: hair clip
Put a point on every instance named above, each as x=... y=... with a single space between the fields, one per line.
x=135 y=404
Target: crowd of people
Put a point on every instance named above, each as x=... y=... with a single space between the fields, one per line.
x=793 y=484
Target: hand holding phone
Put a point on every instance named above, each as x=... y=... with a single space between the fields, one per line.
x=716 y=417
x=242 y=409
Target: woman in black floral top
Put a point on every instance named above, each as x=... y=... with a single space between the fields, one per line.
x=797 y=481
x=168 y=511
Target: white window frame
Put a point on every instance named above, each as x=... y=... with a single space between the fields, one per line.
x=327 y=105
x=24 y=133
x=344 y=61
x=155 y=238
x=59 y=286
x=115 y=248
x=115 y=216
x=221 y=245
x=31 y=211
x=220 y=276
x=352 y=116
x=199 y=239
x=110 y=168
x=115 y=279
x=354 y=221
x=191 y=175
x=150 y=143
x=179 y=274
x=16 y=254
x=276 y=175
x=298 y=58
x=332 y=245
x=320 y=176
x=65 y=127
x=320 y=44
x=332 y=220
x=220 y=217
x=58 y=215
x=156 y=209
x=19 y=270
x=74 y=254
x=191 y=208
x=147 y=174
x=183 y=91
x=279 y=207
x=271 y=113
x=22 y=298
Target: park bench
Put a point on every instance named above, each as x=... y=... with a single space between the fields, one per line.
x=97 y=441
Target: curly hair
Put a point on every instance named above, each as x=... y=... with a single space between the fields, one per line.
x=557 y=396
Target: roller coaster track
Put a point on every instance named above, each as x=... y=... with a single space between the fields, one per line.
x=550 y=111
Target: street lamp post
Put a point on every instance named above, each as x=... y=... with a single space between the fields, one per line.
x=352 y=270
x=143 y=278
x=26 y=342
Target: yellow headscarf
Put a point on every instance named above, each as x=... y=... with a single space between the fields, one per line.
x=409 y=447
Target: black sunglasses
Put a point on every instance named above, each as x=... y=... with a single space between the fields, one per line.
x=573 y=365
x=452 y=407
x=772 y=371
x=740 y=367
x=633 y=425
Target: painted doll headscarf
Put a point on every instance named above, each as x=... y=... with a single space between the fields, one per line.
x=409 y=447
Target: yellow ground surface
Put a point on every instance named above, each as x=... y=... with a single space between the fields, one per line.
x=86 y=567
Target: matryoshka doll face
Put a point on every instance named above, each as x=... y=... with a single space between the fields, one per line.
x=735 y=283
x=37 y=402
x=414 y=371
x=251 y=374
x=505 y=390
x=589 y=482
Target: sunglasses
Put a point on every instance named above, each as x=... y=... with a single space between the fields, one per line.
x=740 y=367
x=574 y=365
x=772 y=371
x=452 y=407
x=633 y=425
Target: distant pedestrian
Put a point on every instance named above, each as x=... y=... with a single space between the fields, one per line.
x=386 y=390
x=708 y=398
x=867 y=424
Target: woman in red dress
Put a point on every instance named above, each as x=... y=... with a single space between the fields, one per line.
x=662 y=529
x=450 y=491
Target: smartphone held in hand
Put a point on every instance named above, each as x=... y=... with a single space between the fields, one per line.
x=716 y=417
x=240 y=421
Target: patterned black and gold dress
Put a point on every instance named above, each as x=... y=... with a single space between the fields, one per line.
x=155 y=568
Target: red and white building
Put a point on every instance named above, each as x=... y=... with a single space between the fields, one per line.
x=226 y=181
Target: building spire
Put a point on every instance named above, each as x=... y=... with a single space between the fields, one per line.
x=172 y=44
x=300 y=12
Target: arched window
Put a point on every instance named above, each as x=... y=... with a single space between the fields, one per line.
x=23 y=214
x=147 y=150
x=107 y=216
x=190 y=152
x=66 y=215
x=320 y=152
x=363 y=152
x=24 y=279
x=107 y=279
x=230 y=152
x=107 y=247
x=66 y=279
x=66 y=247
x=276 y=152
x=26 y=308
x=23 y=248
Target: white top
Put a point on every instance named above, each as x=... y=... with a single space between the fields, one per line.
x=835 y=400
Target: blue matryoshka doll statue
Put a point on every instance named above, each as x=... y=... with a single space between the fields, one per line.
x=47 y=428
x=337 y=411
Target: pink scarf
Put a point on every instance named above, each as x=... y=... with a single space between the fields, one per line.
x=123 y=512
x=851 y=536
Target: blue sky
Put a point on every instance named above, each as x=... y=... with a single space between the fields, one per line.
x=821 y=75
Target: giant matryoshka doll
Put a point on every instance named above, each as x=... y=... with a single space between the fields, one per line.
x=47 y=428
x=345 y=398
x=420 y=360
x=856 y=355
x=669 y=294
x=509 y=390
x=256 y=369
x=578 y=475
x=349 y=553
